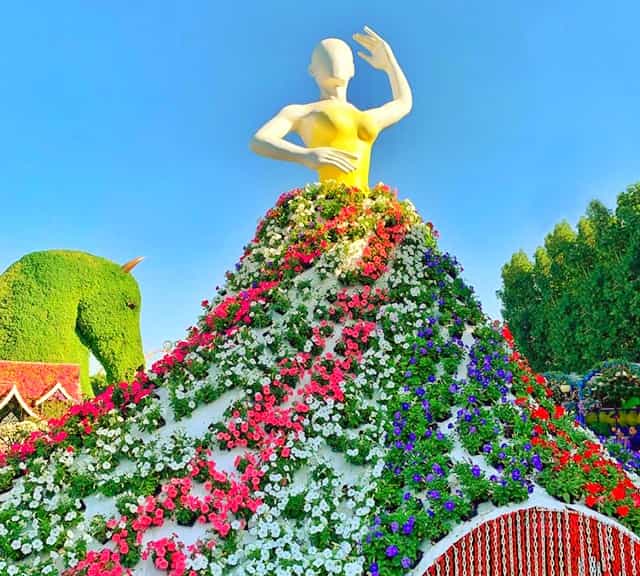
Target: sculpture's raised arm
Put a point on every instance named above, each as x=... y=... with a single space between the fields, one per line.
x=382 y=58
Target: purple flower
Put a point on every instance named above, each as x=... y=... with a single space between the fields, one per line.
x=374 y=569
x=394 y=526
x=406 y=562
x=475 y=470
x=515 y=474
x=407 y=527
x=449 y=505
x=391 y=551
x=435 y=494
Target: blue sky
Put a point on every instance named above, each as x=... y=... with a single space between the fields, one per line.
x=125 y=127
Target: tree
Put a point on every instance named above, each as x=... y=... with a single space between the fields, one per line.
x=579 y=303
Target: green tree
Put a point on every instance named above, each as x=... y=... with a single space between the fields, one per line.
x=582 y=294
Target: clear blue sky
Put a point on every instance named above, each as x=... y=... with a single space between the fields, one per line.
x=124 y=126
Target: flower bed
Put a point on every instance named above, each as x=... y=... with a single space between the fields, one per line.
x=340 y=405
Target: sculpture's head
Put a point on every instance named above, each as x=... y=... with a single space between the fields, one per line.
x=332 y=64
x=108 y=321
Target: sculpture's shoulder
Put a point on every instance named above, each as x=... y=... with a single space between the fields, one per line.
x=295 y=111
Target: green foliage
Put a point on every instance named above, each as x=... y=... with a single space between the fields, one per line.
x=57 y=305
x=579 y=301
x=54 y=408
x=98 y=382
x=295 y=507
x=616 y=386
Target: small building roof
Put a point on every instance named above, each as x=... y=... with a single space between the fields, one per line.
x=33 y=383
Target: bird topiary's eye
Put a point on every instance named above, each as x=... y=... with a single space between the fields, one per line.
x=131 y=305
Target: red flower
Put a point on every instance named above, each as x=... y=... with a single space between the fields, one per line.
x=540 y=413
x=594 y=487
x=591 y=501
x=619 y=492
x=622 y=511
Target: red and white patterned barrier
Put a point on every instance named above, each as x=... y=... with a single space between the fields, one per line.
x=539 y=542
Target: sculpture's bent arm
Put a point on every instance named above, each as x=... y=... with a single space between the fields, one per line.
x=269 y=139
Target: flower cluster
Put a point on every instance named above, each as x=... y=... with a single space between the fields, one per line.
x=341 y=404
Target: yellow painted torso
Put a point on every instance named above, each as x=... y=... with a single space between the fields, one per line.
x=340 y=125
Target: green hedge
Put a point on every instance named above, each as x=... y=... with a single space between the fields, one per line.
x=57 y=305
x=578 y=302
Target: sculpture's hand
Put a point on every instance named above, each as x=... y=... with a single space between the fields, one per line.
x=325 y=155
x=381 y=56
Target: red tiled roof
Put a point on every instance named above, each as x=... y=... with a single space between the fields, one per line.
x=35 y=379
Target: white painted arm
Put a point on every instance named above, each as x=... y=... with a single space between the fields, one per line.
x=382 y=58
x=270 y=141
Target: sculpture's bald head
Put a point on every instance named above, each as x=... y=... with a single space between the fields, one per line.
x=332 y=63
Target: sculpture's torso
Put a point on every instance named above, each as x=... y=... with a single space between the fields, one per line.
x=340 y=125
